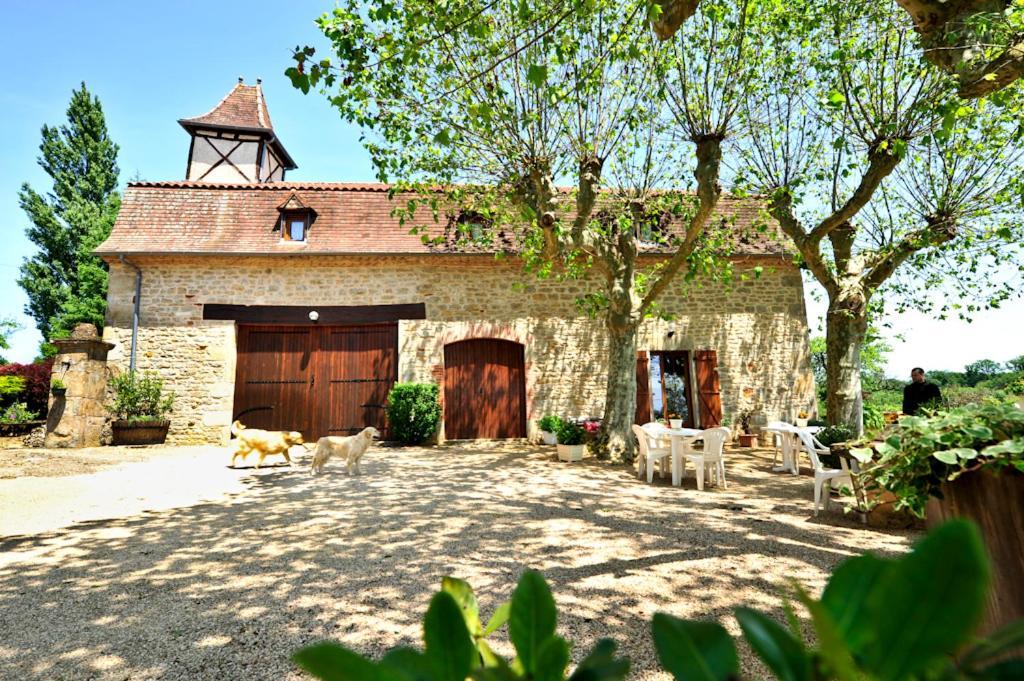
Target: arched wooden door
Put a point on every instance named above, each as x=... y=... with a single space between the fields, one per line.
x=484 y=389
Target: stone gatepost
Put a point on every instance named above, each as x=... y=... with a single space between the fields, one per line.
x=77 y=418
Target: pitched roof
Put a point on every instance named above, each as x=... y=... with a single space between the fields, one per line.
x=243 y=107
x=350 y=218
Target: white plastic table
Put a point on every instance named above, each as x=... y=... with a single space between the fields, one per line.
x=791 y=464
x=681 y=439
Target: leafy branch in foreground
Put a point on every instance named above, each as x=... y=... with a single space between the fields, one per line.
x=877 y=619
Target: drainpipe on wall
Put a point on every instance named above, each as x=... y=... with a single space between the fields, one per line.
x=135 y=309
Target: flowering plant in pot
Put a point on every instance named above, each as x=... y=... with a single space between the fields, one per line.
x=571 y=441
x=801 y=419
x=674 y=420
x=140 y=409
x=548 y=426
x=58 y=388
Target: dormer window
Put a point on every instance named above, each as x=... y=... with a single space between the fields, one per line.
x=294 y=226
x=296 y=219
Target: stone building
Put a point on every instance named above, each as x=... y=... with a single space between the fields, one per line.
x=296 y=305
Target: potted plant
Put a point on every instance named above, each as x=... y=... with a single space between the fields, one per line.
x=58 y=388
x=801 y=419
x=548 y=426
x=966 y=462
x=140 y=409
x=674 y=420
x=747 y=438
x=571 y=439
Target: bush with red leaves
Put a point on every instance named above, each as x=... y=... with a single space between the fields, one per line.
x=37 y=383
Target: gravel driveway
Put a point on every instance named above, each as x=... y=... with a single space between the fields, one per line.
x=237 y=569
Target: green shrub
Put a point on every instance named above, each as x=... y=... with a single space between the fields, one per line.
x=885 y=400
x=961 y=396
x=924 y=452
x=18 y=413
x=10 y=388
x=413 y=412
x=570 y=433
x=874 y=419
x=833 y=434
x=140 y=398
x=549 y=423
x=884 y=619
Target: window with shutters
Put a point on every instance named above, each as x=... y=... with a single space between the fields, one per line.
x=668 y=386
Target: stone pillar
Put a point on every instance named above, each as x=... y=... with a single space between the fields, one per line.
x=77 y=418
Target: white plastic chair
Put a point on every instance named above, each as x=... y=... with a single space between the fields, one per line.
x=711 y=459
x=822 y=475
x=651 y=450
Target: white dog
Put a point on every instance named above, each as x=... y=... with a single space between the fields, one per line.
x=352 y=448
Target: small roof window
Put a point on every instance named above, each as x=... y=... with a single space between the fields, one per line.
x=296 y=219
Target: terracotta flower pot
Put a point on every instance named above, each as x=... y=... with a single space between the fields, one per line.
x=748 y=440
x=995 y=502
x=140 y=432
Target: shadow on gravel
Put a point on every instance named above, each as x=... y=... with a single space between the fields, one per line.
x=230 y=589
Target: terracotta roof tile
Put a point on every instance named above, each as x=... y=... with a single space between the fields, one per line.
x=243 y=107
x=350 y=218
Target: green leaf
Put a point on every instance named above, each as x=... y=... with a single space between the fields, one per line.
x=331 y=662
x=862 y=454
x=601 y=664
x=499 y=618
x=532 y=618
x=408 y=664
x=846 y=597
x=929 y=603
x=694 y=651
x=946 y=456
x=537 y=74
x=995 y=645
x=831 y=646
x=463 y=594
x=1008 y=670
x=552 y=659
x=450 y=649
x=783 y=653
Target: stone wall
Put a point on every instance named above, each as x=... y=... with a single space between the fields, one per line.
x=758 y=327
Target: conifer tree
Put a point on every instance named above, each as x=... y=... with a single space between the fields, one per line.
x=66 y=284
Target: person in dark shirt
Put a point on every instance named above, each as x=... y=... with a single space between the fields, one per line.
x=919 y=393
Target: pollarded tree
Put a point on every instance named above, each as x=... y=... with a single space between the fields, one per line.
x=889 y=186
x=498 y=103
x=980 y=42
x=64 y=281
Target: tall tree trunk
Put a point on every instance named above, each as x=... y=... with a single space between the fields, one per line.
x=620 y=398
x=846 y=327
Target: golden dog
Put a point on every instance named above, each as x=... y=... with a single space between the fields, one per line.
x=265 y=442
x=351 y=447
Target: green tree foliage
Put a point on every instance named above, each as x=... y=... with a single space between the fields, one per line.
x=890 y=186
x=980 y=42
x=65 y=283
x=983 y=369
x=493 y=105
x=7 y=327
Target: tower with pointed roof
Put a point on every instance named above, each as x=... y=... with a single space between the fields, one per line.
x=235 y=142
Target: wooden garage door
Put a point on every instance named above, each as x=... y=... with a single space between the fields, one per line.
x=484 y=389
x=330 y=380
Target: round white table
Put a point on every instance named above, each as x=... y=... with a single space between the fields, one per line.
x=681 y=439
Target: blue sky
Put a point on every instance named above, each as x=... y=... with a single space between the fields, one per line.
x=153 y=63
